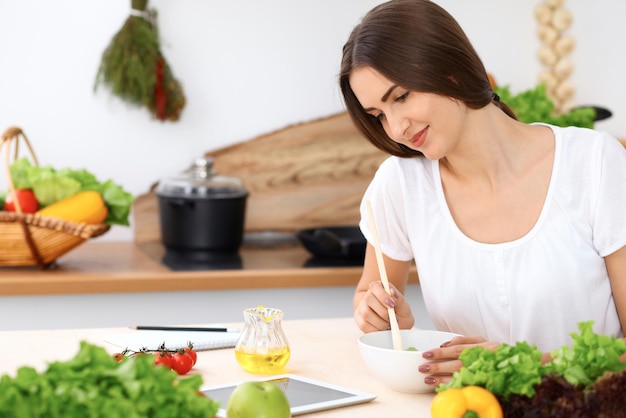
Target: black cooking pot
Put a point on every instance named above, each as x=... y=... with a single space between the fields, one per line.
x=201 y=211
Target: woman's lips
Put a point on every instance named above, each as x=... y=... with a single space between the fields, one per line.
x=419 y=138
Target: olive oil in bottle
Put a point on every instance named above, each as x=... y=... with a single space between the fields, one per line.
x=261 y=363
x=262 y=346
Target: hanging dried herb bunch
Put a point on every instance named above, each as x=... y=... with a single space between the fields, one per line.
x=134 y=68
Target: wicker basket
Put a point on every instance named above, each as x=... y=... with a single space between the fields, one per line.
x=30 y=239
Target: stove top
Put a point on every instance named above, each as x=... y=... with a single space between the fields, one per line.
x=201 y=260
x=197 y=261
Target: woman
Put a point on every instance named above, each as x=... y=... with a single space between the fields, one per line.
x=518 y=231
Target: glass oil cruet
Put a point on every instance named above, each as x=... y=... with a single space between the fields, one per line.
x=262 y=346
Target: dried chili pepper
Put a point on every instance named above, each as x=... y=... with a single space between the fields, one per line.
x=160 y=99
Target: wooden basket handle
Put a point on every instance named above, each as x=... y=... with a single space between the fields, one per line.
x=13 y=133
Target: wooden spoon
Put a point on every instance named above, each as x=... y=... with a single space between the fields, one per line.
x=395 y=329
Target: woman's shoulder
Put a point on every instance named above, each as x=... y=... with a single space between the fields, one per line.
x=585 y=142
x=394 y=163
x=583 y=136
x=402 y=173
x=588 y=156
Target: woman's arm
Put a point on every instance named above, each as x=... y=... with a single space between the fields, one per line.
x=441 y=372
x=616 y=267
x=370 y=299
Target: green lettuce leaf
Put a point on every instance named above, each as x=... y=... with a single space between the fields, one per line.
x=92 y=384
x=505 y=371
x=534 y=105
x=118 y=202
x=19 y=173
x=50 y=185
x=518 y=370
x=590 y=356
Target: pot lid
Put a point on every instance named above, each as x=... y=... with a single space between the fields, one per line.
x=200 y=181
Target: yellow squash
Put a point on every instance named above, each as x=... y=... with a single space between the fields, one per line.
x=87 y=207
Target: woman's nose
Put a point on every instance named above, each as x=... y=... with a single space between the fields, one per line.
x=397 y=127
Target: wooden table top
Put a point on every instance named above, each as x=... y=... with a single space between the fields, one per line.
x=321 y=349
x=121 y=267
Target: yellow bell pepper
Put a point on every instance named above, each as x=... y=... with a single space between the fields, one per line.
x=470 y=401
x=86 y=207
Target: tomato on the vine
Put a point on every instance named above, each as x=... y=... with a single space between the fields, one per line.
x=163 y=358
x=182 y=362
x=192 y=353
x=119 y=357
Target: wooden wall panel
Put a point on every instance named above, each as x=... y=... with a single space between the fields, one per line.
x=303 y=176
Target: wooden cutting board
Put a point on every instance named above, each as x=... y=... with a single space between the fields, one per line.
x=303 y=176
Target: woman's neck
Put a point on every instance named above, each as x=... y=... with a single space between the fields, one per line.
x=495 y=148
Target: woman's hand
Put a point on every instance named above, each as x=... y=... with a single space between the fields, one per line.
x=448 y=358
x=372 y=314
x=370 y=299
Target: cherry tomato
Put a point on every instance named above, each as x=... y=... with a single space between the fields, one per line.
x=25 y=197
x=192 y=353
x=163 y=358
x=119 y=357
x=182 y=362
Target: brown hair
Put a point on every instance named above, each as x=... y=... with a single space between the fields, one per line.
x=419 y=46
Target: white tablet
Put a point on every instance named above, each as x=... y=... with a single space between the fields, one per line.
x=305 y=395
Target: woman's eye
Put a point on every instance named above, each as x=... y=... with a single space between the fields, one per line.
x=402 y=97
x=378 y=117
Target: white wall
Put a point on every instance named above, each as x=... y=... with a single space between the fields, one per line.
x=248 y=67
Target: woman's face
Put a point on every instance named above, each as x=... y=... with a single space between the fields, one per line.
x=425 y=122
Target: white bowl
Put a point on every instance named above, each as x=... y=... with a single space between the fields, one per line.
x=398 y=369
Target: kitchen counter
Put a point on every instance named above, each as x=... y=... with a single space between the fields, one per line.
x=322 y=349
x=122 y=267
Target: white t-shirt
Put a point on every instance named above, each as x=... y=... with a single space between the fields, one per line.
x=536 y=288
